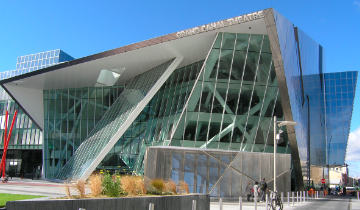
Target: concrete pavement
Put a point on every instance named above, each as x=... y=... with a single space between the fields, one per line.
x=329 y=203
x=53 y=190
x=34 y=187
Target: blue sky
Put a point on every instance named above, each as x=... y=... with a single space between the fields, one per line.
x=83 y=27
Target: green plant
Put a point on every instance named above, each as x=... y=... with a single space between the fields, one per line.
x=158 y=184
x=111 y=186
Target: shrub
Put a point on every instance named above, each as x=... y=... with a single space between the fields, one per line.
x=170 y=186
x=111 y=186
x=183 y=187
x=95 y=182
x=133 y=185
x=158 y=184
x=80 y=187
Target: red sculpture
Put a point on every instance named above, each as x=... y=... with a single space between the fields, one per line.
x=6 y=144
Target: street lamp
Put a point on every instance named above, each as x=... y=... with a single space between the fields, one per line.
x=280 y=124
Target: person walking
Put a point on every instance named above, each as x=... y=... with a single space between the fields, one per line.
x=249 y=191
x=256 y=191
x=263 y=188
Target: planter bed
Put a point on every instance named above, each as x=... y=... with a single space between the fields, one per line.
x=173 y=202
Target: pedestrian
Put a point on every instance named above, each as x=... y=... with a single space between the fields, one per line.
x=256 y=190
x=263 y=188
x=249 y=191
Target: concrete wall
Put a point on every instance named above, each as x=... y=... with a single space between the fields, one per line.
x=220 y=173
x=179 y=202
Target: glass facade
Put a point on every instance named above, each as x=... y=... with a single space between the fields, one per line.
x=112 y=121
x=340 y=93
x=234 y=98
x=26 y=144
x=155 y=123
x=303 y=68
x=225 y=102
x=70 y=116
x=26 y=134
x=33 y=62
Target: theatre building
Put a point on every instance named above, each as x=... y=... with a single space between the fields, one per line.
x=196 y=105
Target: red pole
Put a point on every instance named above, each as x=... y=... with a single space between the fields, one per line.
x=5 y=135
x=8 y=140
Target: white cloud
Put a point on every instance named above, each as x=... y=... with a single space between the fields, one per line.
x=357 y=3
x=353 y=147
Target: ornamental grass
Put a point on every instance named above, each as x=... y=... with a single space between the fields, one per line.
x=80 y=187
x=133 y=185
x=95 y=183
x=170 y=186
x=183 y=187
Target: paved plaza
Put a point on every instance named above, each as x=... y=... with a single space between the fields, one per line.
x=33 y=187
x=55 y=190
x=330 y=203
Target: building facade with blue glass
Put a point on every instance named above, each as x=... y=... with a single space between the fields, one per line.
x=24 y=156
x=212 y=89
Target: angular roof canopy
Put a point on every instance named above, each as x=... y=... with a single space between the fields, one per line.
x=128 y=61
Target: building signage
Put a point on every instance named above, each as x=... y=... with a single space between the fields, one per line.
x=221 y=24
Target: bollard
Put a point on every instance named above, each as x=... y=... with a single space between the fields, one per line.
x=307 y=195
x=193 y=205
x=358 y=195
x=151 y=206
x=282 y=197
x=240 y=203
x=293 y=198
x=266 y=201
x=288 y=197
x=220 y=204
x=297 y=197
x=255 y=202
x=300 y=197
x=304 y=196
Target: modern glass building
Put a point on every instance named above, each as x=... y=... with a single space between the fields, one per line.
x=213 y=87
x=340 y=93
x=24 y=156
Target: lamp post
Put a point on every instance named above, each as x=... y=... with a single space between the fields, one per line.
x=280 y=124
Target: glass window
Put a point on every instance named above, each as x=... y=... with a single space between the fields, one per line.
x=242 y=41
